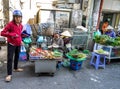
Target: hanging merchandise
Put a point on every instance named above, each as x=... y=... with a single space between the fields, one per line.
x=27 y=40
x=96 y=33
x=44 y=44
x=26 y=30
x=40 y=39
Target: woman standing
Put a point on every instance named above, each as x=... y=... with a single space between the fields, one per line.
x=13 y=33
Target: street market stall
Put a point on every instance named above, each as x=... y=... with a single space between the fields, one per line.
x=45 y=60
x=109 y=44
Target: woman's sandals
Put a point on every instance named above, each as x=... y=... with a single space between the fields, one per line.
x=8 y=78
x=18 y=70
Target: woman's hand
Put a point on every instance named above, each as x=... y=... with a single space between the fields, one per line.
x=22 y=43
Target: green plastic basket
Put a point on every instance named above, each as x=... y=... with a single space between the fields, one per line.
x=75 y=59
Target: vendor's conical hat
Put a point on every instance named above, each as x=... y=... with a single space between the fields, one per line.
x=109 y=27
x=66 y=33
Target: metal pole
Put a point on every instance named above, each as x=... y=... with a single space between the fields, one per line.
x=100 y=12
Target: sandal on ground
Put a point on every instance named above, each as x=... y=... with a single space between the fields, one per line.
x=18 y=70
x=8 y=78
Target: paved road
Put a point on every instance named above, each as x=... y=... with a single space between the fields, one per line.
x=85 y=78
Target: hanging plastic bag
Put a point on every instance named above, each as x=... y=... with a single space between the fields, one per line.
x=22 y=49
x=27 y=40
x=40 y=39
x=96 y=33
x=25 y=34
x=26 y=31
x=22 y=54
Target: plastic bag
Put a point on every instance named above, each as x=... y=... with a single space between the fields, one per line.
x=96 y=33
x=25 y=34
x=27 y=28
x=22 y=54
x=40 y=39
x=22 y=49
x=27 y=40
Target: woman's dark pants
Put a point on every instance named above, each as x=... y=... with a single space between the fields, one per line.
x=12 y=55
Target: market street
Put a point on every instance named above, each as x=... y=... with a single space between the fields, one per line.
x=85 y=78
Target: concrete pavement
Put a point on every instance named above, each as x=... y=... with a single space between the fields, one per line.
x=85 y=78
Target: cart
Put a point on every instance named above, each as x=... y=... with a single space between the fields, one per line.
x=45 y=66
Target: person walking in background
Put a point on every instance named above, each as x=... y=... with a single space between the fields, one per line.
x=13 y=33
x=104 y=26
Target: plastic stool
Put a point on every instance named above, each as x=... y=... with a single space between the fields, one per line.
x=98 y=62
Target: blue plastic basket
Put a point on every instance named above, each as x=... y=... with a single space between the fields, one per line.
x=75 y=65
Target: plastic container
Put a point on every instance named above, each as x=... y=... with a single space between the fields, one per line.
x=75 y=65
x=75 y=59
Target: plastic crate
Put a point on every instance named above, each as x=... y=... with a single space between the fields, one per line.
x=75 y=65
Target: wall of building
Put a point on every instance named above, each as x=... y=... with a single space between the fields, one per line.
x=28 y=8
x=111 y=5
x=1 y=14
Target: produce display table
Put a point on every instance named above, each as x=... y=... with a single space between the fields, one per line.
x=114 y=52
x=45 y=60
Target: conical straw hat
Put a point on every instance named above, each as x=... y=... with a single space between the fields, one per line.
x=66 y=33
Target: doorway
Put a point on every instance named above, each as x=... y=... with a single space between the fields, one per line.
x=109 y=17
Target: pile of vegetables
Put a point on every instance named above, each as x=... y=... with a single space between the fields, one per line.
x=101 y=51
x=107 y=40
x=45 y=54
x=76 y=55
x=57 y=54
